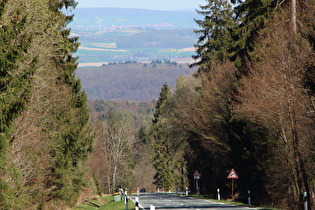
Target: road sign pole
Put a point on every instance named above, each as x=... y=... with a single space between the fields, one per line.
x=198 y=192
x=232 y=175
x=196 y=177
x=232 y=190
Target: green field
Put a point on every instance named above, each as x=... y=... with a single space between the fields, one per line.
x=140 y=45
x=97 y=54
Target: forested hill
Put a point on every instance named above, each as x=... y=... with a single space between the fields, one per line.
x=130 y=80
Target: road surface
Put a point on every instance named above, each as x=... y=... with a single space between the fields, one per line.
x=166 y=201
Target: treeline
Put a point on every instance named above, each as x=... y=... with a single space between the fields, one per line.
x=122 y=156
x=130 y=80
x=175 y=38
x=250 y=106
x=44 y=134
x=145 y=65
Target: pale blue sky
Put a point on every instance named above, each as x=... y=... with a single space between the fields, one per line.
x=144 y=4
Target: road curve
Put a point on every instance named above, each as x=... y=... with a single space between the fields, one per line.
x=166 y=201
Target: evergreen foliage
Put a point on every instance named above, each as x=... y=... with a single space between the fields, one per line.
x=162 y=159
x=45 y=135
x=251 y=16
x=75 y=141
x=16 y=71
x=165 y=91
x=215 y=40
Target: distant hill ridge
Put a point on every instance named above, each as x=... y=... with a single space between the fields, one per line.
x=130 y=81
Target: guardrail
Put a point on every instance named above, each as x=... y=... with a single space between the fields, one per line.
x=126 y=198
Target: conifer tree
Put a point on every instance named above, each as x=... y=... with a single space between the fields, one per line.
x=251 y=16
x=16 y=70
x=72 y=138
x=162 y=159
x=215 y=41
x=165 y=91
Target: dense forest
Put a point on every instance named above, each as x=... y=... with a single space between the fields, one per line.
x=122 y=156
x=45 y=134
x=249 y=105
x=130 y=80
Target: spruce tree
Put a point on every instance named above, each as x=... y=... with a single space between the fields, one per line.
x=251 y=16
x=165 y=91
x=162 y=159
x=75 y=142
x=215 y=41
x=16 y=70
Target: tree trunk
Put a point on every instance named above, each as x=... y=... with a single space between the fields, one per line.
x=293 y=16
x=114 y=177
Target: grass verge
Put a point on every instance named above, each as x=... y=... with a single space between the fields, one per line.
x=105 y=202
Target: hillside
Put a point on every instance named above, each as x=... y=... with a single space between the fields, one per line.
x=130 y=81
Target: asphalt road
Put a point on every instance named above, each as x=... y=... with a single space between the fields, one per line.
x=171 y=202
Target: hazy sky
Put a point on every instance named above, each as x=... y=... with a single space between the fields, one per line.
x=144 y=4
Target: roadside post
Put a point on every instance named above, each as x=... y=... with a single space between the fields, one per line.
x=121 y=192
x=126 y=199
x=126 y=196
x=305 y=203
x=138 y=192
x=137 y=203
x=248 y=197
x=186 y=191
x=218 y=190
x=152 y=207
x=232 y=175
x=197 y=177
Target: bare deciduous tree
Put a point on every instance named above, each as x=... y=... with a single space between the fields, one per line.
x=274 y=96
x=117 y=147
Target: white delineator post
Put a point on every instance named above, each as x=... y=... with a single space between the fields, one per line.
x=126 y=196
x=137 y=203
x=152 y=207
x=218 y=190
x=305 y=203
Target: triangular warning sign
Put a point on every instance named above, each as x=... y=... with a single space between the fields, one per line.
x=232 y=175
x=196 y=173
